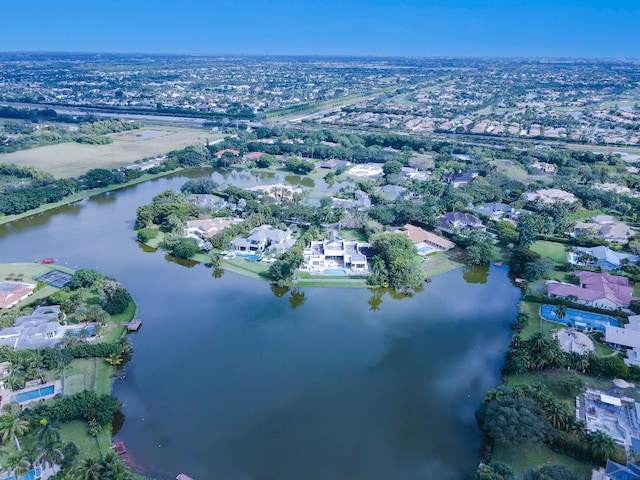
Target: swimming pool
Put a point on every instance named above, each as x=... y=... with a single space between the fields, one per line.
x=334 y=272
x=28 y=476
x=578 y=318
x=248 y=256
x=425 y=249
x=33 y=394
x=89 y=329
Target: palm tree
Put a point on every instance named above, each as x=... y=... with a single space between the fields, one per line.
x=49 y=452
x=114 y=360
x=69 y=338
x=47 y=430
x=19 y=463
x=377 y=264
x=113 y=467
x=601 y=445
x=12 y=426
x=95 y=313
x=561 y=311
x=90 y=469
x=81 y=314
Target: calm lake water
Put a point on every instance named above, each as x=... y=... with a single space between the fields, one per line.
x=233 y=380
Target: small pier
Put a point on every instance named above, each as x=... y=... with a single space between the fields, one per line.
x=119 y=447
x=182 y=476
x=133 y=325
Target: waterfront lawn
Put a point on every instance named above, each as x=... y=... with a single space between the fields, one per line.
x=114 y=330
x=77 y=431
x=553 y=250
x=96 y=373
x=549 y=378
x=251 y=269
x=523 y=459
x=536 y=322
x=442 y=262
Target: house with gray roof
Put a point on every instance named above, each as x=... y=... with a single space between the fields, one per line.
x=497 y=211
x=606 y=228
x=459 y=179
x=264 y=238
x=40 y=329
x=460 y=222
x=602 y=257
x=393 y=192
x=335 y=253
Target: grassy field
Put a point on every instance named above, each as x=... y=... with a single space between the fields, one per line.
x=245 y=267
x=24 y=272
x=74 y=159
x=442 y=262
x=552 y=250
x=522 y=460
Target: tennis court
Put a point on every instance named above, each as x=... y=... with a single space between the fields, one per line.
x=56 y=278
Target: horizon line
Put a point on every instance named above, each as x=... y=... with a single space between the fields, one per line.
x=331 y=55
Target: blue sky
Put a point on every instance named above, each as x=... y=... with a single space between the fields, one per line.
x=582 y=28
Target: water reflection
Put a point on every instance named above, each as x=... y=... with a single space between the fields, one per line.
x=279 y=291
x=344 y=385
x=185 y=262
x=296 y=298
x=376 y=299
x=145 y=248
x=476 y=274
x=217 y=273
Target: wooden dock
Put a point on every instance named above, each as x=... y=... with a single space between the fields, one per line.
x=133 y=325
x=119 y=448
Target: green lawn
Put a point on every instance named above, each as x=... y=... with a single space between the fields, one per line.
x=442 y=262
x=92 y=372
x=114 y=329
x=75 y=383
x=77 y=431
x=523 y=459
x=357 y=235
x=245 y=267
x=553 y=250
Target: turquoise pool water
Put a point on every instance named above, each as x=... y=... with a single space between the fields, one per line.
x=578 y=318
x=426 y=249
x=33 y=394
x=334 y=272
x=90 y=329
x=248 y=256
x=29 y=476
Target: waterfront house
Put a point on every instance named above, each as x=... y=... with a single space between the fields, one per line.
x=335 y=253
x=601 y=290
x=40 y=329
x=264 y=238
x=12 y=292
x=333 y=164
x=208 y=227
x=213 y=202
x=421 y=237
x=600 y=257
x=220 y=153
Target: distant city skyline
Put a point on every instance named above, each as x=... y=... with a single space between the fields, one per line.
x=467 y=28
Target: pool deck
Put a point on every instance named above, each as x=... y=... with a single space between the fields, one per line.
x=7 y=396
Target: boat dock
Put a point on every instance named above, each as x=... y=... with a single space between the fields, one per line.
x=133 y=325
